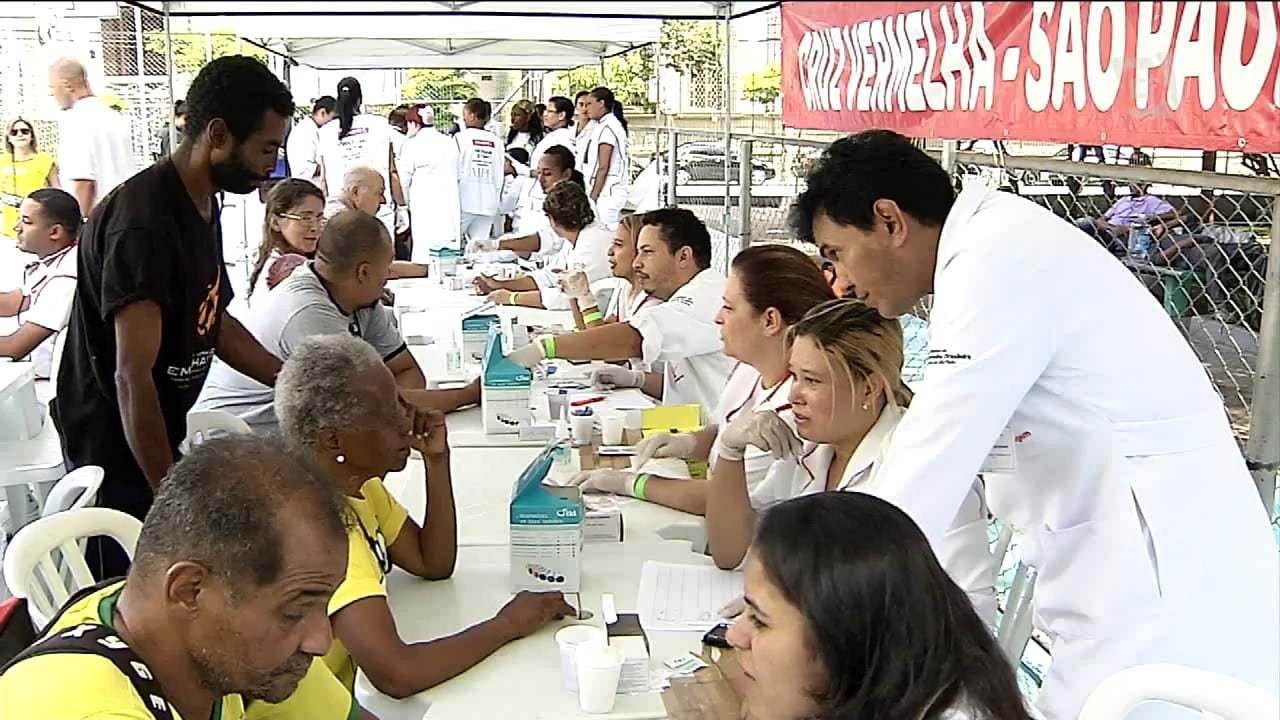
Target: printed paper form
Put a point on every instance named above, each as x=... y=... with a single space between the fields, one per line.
x=684 y=598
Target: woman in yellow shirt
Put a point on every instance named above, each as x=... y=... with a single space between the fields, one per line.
x=23 y=170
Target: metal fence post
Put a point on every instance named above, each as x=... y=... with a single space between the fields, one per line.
x=1262 y=451
x=673 y=197
x=744 y=195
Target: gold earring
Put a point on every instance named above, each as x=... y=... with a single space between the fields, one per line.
x=866 y=406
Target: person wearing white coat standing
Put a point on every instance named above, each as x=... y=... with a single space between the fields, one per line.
x=480 y=166
x=359 y=138
x=430 y=174
x=604 y=161
x=1120 y=471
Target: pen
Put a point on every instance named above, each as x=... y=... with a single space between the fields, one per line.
x=588 y=401
x=782 y=408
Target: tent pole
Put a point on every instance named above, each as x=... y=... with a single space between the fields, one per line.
x=727 y=215
x=168 y=64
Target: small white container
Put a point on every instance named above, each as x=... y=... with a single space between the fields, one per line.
x=568 y=639
x=612 y=423
x=599 y=669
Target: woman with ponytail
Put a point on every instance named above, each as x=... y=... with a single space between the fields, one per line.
x=605 y=163
x=847 y=396
x=359 y=138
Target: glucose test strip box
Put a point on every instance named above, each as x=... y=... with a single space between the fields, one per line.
x=475 y=335
x=504 y=389
x=546 y=531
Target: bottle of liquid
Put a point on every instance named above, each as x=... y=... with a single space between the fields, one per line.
x=563 y=456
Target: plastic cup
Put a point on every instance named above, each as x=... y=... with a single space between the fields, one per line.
x=634 y=421
x=599 y=669
x=557 y=403
x=568 y=639
x=612 y=423
x=582 y=427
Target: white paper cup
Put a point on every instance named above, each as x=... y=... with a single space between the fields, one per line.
x=612 y=423
x=599 y=669
x=582 y=427
x=557 y=403
x=568 y=639
x=634 y=420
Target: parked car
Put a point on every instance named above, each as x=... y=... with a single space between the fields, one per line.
x=704 y=162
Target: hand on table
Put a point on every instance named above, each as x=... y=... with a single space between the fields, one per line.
x=501 y=296
x=612 y=377
x=430 y=434
x=665 y=445
x=527 y=612
x=484 y=284
x=765 y=430
x=617 y=482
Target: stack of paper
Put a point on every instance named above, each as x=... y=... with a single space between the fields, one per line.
x=684 y=598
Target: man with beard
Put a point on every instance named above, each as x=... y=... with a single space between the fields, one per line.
x=223 y=612
x=151 y=297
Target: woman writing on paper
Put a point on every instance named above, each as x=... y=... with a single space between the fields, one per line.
x=769 y=289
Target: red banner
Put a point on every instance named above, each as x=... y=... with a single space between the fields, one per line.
x=1158 y=74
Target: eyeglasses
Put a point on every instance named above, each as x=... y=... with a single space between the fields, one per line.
x=307 y=219
x=19 y=132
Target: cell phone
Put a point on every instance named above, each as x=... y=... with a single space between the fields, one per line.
x=716 y=637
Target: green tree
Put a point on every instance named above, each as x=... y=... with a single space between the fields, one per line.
x=441 y=89
x=190 y=53
x=692 y=47
x=763 y=86
x=627 y=75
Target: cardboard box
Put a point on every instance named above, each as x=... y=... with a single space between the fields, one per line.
x=628 y=636
x=443 y=262
x=475 y=335
x=546 y=531
x=603 y=524
x=504 y=389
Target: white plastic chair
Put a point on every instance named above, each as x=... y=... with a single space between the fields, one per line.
x=1212 y=694
x=204 y=425
x=31 y=562
x=77 y=489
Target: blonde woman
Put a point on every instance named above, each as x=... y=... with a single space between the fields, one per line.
x=846 y=396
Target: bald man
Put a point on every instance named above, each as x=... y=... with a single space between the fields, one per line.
x=95 y=152
x=363 y=189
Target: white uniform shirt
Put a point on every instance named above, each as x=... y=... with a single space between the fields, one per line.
x=622 y=305
x=563 y=136
x=480 y=166
x=580 y=143
x=302 y=150
x=368 y=143
x=1120 y=471
x=607 y=131
x=94 y=144
x=964 y=550
x=590 y=254
x=521 y=140
x=48 y=289
x=429 y=168
x=682 y=334
x=744 y=393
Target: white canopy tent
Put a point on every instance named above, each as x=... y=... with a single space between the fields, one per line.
x=707 y=10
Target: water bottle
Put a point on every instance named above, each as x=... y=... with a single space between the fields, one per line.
x=1140 y=241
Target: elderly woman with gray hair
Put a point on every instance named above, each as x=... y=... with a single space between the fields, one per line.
x=336 y=398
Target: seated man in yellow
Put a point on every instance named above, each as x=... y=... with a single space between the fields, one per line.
x=335 y=397
x=223 y=610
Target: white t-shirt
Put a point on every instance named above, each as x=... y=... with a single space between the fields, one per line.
x=743 y=393
x=607 y=131
x=48 y=287
x=563 y=136
x=368 y=143
x=302 y=150
x=94 y=143
x=521 y=140
x=480 y=166
x=590 y=254
x=964 y=551
x=682 y=334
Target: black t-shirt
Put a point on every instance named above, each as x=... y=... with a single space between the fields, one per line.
x=145 y=241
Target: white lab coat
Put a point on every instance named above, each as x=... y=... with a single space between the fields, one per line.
x=369 y=142
x=562 y=136
x=429 y=169
x=480 y=171
x=681 y=333
x=589 y=253
x=744 y=393
x=1124 y=478
x=964 y=549
x=302 y=150
x=608 y=130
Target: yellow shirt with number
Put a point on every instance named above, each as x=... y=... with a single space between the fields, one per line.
x=78 y=686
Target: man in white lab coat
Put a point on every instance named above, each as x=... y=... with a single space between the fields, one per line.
x=480 y=163
x=1103 y=440
x=429 y=170
x=302 y=149
x=673 y=263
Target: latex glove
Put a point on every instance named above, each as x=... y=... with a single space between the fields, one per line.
x=529 y=355
x=617 y=482
x=402 y=220
x=481 y=245
x=612 y=377
x=500 y=297
x=764 y=430
x=576 y=285
x=665 y=445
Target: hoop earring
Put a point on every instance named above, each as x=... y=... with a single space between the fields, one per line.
x=341 y=459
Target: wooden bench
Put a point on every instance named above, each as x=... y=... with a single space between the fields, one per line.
x=1179 y=288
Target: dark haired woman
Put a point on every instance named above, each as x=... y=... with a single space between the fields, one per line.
x=557 y=121
x=359 y=138
x=604 y=161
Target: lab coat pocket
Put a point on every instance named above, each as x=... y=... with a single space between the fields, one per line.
x=1096 y=577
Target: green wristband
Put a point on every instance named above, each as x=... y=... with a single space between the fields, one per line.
x=512 y=299
x=593 y=316
x=549 y=346
x=638 y=489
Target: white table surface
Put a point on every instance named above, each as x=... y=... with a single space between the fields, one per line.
x=523 y=679
x=14 y=376
x=482 y=482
